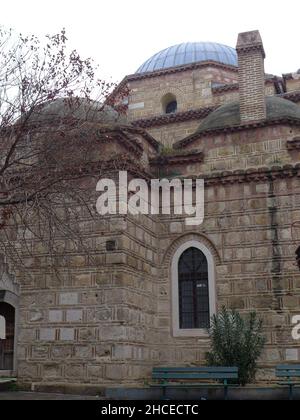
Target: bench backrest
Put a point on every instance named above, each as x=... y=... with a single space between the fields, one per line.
x=288 y=371
x=195 y=373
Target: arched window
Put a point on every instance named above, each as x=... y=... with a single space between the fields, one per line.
x=193 y=290
x=171 y=107
x=169 y=103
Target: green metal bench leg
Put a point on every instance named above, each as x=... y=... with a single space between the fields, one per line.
x=225 y=390
x=164 y=393
x=291 y=396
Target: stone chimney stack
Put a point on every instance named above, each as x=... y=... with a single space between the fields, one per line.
x=251 y=57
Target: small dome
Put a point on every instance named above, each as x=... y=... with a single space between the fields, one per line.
x=229 y=115
x=90 y=111
x=190 y=52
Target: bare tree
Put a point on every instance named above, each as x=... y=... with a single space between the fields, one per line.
x=50 y=101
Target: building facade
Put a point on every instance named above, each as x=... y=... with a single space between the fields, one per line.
x=197 y=110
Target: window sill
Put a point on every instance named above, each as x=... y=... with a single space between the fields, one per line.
x=198 y=333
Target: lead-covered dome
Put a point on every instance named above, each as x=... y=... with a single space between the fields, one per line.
x=228 y=115
x=190 y=52
x=82 y=109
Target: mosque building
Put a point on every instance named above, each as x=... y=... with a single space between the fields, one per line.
x=194 y=110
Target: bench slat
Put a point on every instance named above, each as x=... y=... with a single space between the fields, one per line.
x=196 y=369
x=288 y=367
x=194 y=375
x=188 y=385
x=289 y=373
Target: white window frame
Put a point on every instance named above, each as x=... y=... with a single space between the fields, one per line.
x=177 y=331
x=2 y=328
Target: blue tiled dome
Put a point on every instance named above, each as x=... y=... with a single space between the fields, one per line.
x=190 y=52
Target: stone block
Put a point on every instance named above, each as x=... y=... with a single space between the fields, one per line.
x=27 y=370
x=68 y=298
x=122 y=352
x=292 y=355
x=291 y=302
x=176 y=227
x=103 y=279
x=113 y=333
x=55 y=316
x=67 y=334
x=99 y=315
x=74 y=372
x=116 y=372
x=40 y=352
x=95 y=372
x=92 y=298
x=51 y=371
x=74 y=315
x=77 y=261
x=61 y=352
x=83 y=352
x=116 y=258
x=261 y=302
x=237 y=303
x=36 y=316
x=87 y=334
x=103 y=351
x=47 y=334
x=82 y=280
x=243 y=254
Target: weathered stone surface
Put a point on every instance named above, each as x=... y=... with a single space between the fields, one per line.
x=61 y=351
x=95 y=372
x=68 y=298
x=47 y=334
x=103 y=351
x=67 y=334
x=75 y=372
x=99 y=315
x=27 y=370
x=112 y=333
x=122 y=352
x=40 y=352
x=74 y=315
x=55 y=316
x=292 y=355
x=36 y=316
x=87 y=334
x=83 y=352
x=116 y=372
x=51 y=371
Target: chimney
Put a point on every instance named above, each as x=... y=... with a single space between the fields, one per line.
x=251 y=57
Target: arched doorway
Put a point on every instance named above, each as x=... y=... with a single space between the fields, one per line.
x=7 y=344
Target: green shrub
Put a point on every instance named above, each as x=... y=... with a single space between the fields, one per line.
x=236 y=342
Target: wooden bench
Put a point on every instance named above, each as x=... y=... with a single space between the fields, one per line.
x=291 y=372
x=193 y=377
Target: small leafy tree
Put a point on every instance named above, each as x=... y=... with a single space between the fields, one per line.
x=236 y=341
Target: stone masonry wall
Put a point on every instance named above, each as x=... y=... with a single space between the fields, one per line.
x=248 y=229
x=192 y=89
x=92 y=324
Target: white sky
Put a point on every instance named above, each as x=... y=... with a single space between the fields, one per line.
x=121 y=34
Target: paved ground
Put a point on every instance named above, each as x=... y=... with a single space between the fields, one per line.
x=41 y=396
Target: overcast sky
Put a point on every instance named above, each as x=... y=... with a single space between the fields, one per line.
x=121 y=34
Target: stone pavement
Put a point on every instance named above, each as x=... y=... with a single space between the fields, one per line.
x=42 y=396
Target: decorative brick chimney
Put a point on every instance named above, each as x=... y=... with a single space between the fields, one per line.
x=251 y=57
